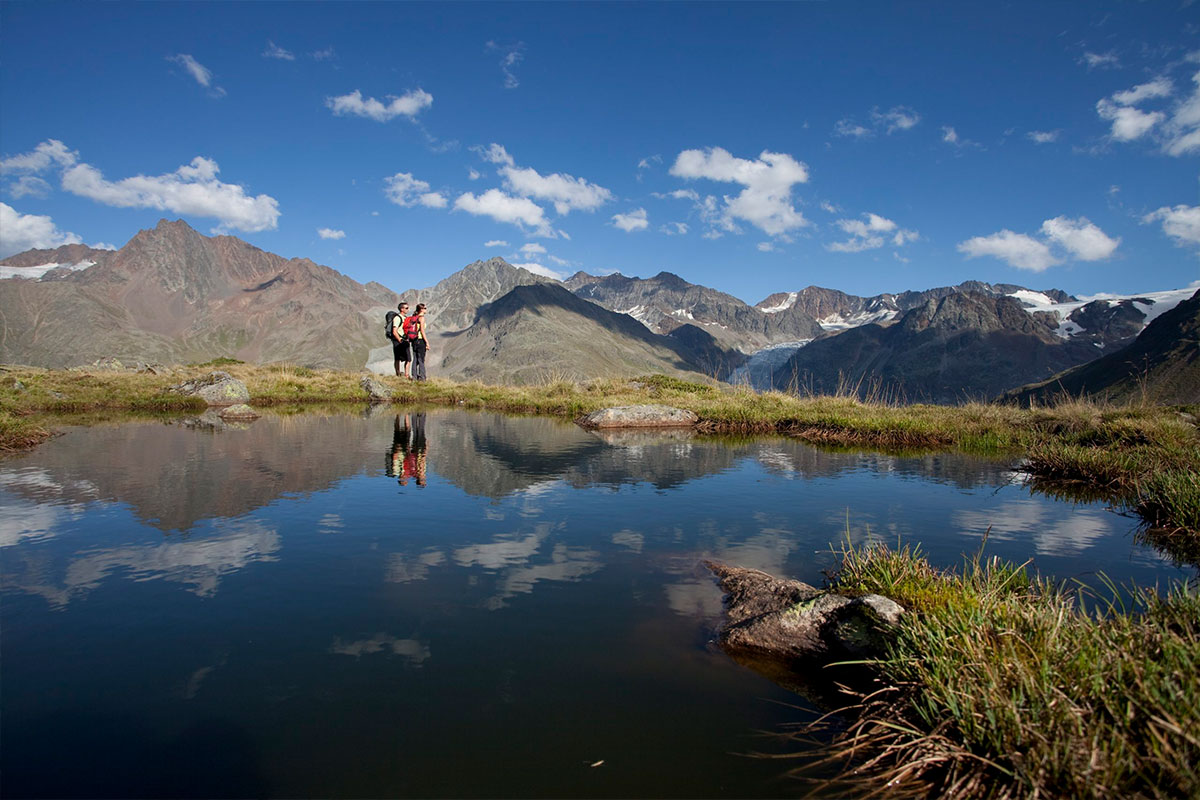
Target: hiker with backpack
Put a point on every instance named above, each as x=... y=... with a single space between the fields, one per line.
x=394 y=330
x=414 y=331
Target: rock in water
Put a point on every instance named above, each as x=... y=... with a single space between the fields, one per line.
x=376 y=390
x=646 y=416
x=217 y=389
x=241 y=411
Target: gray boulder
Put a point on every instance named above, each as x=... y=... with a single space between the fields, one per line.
x=217 y=389
x=377 y=391
x=644 y=416
x=793 y=622
x=241 y=411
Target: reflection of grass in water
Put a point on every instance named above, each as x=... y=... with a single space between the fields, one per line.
x=1000 y=684
x=1148 y=455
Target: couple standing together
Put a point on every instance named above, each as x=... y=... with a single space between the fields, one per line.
x=409 y=342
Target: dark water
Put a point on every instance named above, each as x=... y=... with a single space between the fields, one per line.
x=332 y=605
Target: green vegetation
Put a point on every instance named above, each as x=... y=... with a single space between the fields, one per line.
x=1003 y=685
x=1144 y=456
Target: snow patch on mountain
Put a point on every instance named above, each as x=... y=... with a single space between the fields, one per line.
x=36 y=273
x=788 y=302
x=1151 y=304
x=837 y=322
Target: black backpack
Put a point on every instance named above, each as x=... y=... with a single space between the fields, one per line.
x=387 y=328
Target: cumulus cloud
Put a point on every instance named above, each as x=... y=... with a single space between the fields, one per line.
x=544 y=271
x=1177 y=128
x=674 y=228
x=1181 y=223
x=870 y=234
x=1159 y=87
x=495 y=243
x=408 y=105
x=511 y=55
x=846 y=127
x=1017 y=249
x=1183 y=129
x=566 y=192
x=1043 y=137
x=47 y=154
x=405 y=190
x=330 y=233
x=275 y=51
x=199 y=72
x=1128 y=123
x=532 y=249
x=766 y=200
x=494 y=154
x=899 y=118
x=1080 y=238
x=633 y=221
x=519 y=211
x=20 y=232
x=192 y=189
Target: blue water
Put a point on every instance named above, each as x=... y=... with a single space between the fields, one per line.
x=442 y=604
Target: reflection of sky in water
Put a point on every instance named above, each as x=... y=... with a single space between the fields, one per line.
x=247 y=570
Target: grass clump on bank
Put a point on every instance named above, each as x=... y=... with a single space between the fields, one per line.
x=1003 y=685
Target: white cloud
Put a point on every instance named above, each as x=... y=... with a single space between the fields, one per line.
x=870 y=234
x=1159 y=87
x=648 y=161
x=519 y=211
x=495 y=243
x=474 y=174
x=1017 y=249
x=191 y=189
x=201 y=73
x=327 y=54
x=1080 y=238
x=1181 y=223
x=899 y=118
x=830 y=207
x=545 y=272
x=566 y=192
x=1128 y=123
x=674 y=228
x=767 y=247
x=330 y=233
x=29 y=185
x=949 y=135
x=846 y=127
x=405 y=190
x=1043 y=137
x=532 y=249
x=766 y=200
x=20 y=232
x=45 y=155
x=511 y=56
x=275 y=51
x=494 y=153
x=633 y=221
x=1183 y=129
x=409 y=105
x=1098 y=60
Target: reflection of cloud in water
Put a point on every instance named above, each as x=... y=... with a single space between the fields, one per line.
x=627 y=538
x=566 y=564
x=402 y=569
x=695 y=598
x=330 y=523
x=20 y=520
x=198 y=563
x=1054 y=530
x=413 y=651
x=504 y=551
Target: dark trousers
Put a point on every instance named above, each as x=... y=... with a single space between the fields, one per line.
x=419 y=346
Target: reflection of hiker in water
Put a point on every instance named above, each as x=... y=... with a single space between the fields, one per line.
x=414 y=460
x=399 y=451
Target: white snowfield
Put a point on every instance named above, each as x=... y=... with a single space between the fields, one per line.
x=35 y=273
x=784 y=306
x=1162 y=302
x=836 y=322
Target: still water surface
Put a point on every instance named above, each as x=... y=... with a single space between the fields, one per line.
x=442 y=604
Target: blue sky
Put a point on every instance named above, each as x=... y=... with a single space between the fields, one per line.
x=754 y=148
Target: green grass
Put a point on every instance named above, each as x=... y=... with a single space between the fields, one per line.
x=1003 y=685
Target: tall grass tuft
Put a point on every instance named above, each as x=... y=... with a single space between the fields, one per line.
x=1002 y=685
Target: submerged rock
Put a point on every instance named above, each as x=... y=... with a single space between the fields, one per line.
x=376 y=390
x=217 y=389
x=643 y=416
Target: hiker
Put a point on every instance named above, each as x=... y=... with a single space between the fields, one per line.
x=401 y=349
x=414 y=460
x=414 y=329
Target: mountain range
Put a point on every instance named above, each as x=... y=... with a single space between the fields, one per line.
x=174 y=295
